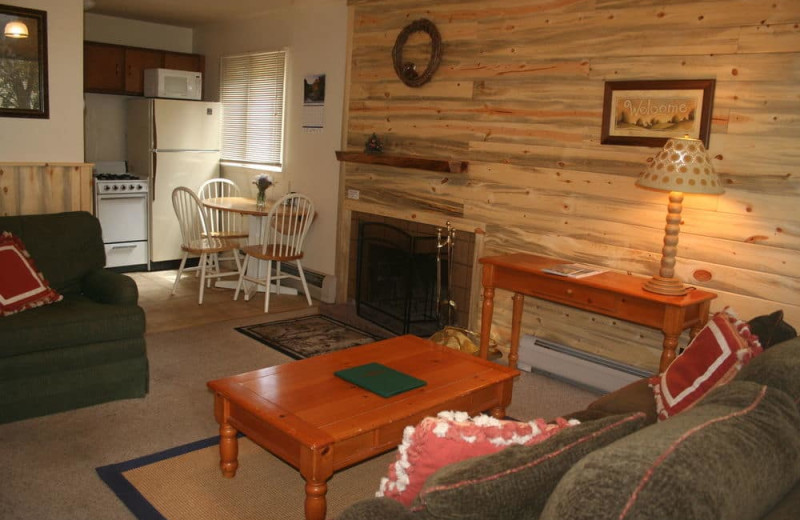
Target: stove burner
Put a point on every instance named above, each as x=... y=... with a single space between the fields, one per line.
x=115 y=177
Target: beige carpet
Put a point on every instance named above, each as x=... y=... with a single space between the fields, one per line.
x=48 y=468
x=191 y=487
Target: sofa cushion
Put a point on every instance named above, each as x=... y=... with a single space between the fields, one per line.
x=778 y=367
x=734 y=455
x=377 y=509
x=771 y=329
x=514 y=483
x=712 y=358
x=22 y=286
x=73 y=321
x=65 y=246
x=450 y=437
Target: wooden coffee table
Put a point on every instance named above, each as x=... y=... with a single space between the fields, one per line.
x=319 y=423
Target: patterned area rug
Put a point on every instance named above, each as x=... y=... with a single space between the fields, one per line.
x=309 y=336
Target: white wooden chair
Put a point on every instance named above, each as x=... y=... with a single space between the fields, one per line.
x=193 y=221
x=222 y=224
x=283 y=232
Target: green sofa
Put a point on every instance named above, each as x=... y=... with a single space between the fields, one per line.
x=734 y=455
x=88 y=348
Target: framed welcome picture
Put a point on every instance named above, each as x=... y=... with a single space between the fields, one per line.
x=647 y=113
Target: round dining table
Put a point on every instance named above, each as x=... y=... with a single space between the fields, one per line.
x=242 y=205
x=247 y=206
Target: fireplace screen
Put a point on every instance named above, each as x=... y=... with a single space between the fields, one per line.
x=399 y=279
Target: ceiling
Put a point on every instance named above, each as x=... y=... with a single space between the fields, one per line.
x=185 y=13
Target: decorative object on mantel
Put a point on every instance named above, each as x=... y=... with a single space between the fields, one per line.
x=405 y=161
x=647 y=113
x=262 y=182
x=406 y=70
x=683 y=166
x=373 y=144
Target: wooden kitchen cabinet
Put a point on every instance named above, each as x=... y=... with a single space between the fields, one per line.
x=119 y=69
x=103 y=68
x=136 y=60
x=182 y=61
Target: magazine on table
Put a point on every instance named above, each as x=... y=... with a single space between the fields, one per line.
x=574 y=270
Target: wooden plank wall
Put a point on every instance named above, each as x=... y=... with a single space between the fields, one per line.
x=519 y=94
x=34 y=188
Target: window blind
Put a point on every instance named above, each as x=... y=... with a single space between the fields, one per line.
x=252 y=95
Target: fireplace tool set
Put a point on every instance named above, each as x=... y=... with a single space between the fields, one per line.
x=446 y=305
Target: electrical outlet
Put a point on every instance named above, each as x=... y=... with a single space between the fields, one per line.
x=353 y=194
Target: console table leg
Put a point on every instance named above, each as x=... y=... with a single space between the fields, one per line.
x=516 y=322
x=228 y=450
x=668 y=351
x=486 y=319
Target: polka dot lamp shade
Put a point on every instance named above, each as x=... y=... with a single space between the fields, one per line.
x=682 y=165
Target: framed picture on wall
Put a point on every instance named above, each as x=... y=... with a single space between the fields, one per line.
x=647 y=113
x=23 y=63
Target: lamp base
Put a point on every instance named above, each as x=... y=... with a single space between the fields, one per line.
x=666 y=286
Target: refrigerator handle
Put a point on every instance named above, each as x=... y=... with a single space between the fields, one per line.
x=153 y=180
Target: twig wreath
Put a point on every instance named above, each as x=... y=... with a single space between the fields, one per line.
x=407 y=71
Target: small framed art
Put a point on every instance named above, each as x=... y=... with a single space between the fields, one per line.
x=647 y=113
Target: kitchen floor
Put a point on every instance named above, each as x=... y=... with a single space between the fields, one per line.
x=166 y=311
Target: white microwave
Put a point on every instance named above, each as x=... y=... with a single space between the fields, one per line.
x=175 y=84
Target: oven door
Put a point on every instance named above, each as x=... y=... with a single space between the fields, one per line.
x=123 y=217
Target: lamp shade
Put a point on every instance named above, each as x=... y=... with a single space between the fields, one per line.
x=16 y=30
x=682 y=165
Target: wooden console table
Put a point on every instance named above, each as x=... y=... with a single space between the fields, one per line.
x=612 y=294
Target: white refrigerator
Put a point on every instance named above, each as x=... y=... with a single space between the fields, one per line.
x=172 y=143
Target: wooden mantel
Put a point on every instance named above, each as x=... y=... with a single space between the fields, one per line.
x=404 y=161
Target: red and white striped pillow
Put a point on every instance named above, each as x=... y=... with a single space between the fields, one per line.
x=713 y=358
x=21 y=285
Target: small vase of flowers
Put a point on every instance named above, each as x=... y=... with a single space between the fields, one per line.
x=262 y=182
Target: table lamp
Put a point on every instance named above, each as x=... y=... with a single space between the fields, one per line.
x=683 y=166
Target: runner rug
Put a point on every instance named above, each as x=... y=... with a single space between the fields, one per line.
x=308 y=336
x=185 y=483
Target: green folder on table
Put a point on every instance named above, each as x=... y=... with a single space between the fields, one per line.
x=380 y=379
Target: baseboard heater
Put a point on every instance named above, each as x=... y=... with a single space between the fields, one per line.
x=575 y=366
x=321 y=286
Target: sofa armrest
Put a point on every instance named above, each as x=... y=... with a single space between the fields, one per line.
x=634 y=397
x=110 y=287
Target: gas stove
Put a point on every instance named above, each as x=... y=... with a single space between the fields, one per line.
x=120 y=201
x=123 y=183
x=111 y=177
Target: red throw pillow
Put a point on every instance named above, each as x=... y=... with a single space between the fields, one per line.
x=713 y=358
x=21 y=285
x=450 y=437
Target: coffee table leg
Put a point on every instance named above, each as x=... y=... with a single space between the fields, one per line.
x=228 y=450
x=498 y=412
x=316 y=466
x=316 y=504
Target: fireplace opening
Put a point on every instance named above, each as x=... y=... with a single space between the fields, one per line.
x=428 y=296
x=397 y=277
